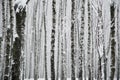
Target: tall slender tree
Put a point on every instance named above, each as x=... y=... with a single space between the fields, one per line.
x=53 y=39
x=113 y=42
x=81 y=40
x=45 y=44
x=89 y=41
x=118 y=39
x=18 y=43
x=6 y=37
x=100 y=39
x=35 y=40
x=72 y=40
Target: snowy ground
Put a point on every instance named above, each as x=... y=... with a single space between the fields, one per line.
x=48 y=79
x=59 y=79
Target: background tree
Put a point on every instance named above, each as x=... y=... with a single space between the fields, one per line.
x=53 y=39
x=72 y=40
x=113 y=42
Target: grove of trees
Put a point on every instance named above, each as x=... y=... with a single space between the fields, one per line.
x=59 y=39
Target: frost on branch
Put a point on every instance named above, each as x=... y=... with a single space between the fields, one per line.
x=19 y=5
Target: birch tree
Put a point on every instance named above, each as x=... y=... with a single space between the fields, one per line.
x=81 y=40
x=53 y=39
x=113 y=42
x=89 y=41
x=45 y=45
x=17 y=45
x=59 y=39
x=100 y=39
x=118 y=38
x=72 y=40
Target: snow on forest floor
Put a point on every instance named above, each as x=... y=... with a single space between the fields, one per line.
x=50 y=79
x=59 y=79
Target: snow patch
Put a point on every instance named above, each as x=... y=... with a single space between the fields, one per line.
x=49 y=79
x=38 y=79
x=14 y=36
x=101 y=50
x=20 y=4
x=8 y=26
